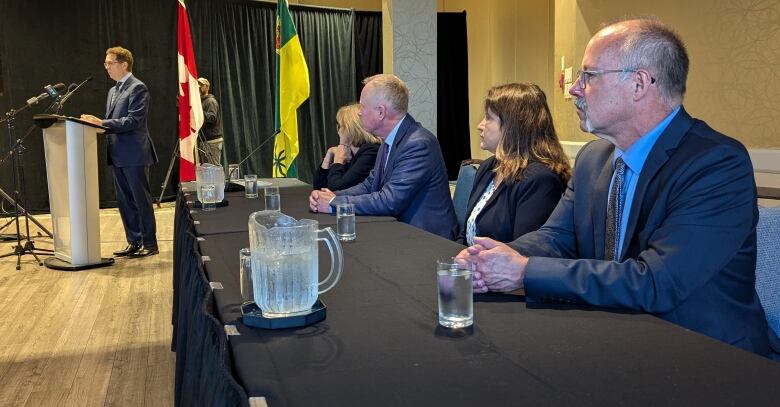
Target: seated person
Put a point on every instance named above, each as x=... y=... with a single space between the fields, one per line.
x=660 y=213
x=515 y=190
x=409 y=179
x=349 y=162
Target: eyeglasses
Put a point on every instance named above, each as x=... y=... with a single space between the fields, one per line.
x=107 y=63
x=585 y=74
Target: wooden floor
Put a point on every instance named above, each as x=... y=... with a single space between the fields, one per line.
x=90 y=338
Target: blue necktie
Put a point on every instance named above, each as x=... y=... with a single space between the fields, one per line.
x=382 y=162
x=614 y=211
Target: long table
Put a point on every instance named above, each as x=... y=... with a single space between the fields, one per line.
x=381 y=345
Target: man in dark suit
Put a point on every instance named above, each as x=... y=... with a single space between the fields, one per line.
x=660 y=214
x=409 y=179
x=130 y=152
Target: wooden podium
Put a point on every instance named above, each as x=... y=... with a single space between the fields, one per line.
x=70 y=146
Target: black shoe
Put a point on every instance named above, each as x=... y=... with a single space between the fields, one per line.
x=145 y=251
x=130 y=249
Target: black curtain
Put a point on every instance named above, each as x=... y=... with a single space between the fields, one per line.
x=234 y=43
x=233 y=38
x=45 y=42
x=368 y=46
x=453 y=90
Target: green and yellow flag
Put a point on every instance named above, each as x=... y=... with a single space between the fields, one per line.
x=292 y=89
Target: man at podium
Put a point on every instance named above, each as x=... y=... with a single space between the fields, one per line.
x=130 y=152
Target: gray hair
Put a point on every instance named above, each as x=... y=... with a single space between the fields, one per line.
x=650 y=44
x=392 y=89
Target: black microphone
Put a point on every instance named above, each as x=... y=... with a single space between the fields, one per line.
x=72 y=88
x=51 y=91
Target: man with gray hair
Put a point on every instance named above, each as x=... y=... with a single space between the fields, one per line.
x=409 y=179
x=660 y=214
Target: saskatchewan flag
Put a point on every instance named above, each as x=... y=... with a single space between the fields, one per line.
x=292 y=89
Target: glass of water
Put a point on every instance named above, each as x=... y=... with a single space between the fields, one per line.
x=250 y=187
x=234 y=172
x=456 y=298
x=272 y=200
x=208 y=196
x=245 y=263
x=345 y=222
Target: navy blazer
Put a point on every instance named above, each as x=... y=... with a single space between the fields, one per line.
x=343 y=176
x=515 y=208
x=415 y=189
x=127 y=137
x=690 y=253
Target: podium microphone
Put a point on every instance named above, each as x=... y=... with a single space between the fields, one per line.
x=51 y=91
x=271 y=137
x=72 y=88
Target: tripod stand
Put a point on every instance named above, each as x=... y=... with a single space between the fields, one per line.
x=15 y=151
x=206 y=152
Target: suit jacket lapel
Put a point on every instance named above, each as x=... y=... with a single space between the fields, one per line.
x=599 y=213
x=659 y=155
x=109 y=105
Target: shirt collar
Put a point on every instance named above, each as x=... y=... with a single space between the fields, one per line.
x=391 y=137
x=125 y=78
x=637 y=154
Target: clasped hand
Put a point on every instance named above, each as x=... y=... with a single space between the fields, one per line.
x=495 y=266
x=339 y=154
x=319 y=201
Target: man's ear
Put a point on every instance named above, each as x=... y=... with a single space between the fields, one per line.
x=643 y=80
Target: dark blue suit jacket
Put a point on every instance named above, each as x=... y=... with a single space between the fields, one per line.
x=127 y=137
x=415 y=188
x=690 y=256
x=515 y=208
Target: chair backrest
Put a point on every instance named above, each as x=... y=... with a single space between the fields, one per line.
x=768 y=264
x=460 y=199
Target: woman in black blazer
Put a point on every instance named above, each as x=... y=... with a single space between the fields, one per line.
x=348 y=163
x=515 y=190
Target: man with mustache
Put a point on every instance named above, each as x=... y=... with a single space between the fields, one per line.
x=660 y=213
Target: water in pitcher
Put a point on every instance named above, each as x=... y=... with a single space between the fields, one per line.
x=285 y=282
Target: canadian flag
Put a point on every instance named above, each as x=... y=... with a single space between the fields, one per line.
x=190 y=109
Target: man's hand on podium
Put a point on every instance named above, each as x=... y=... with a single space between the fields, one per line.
x=91 y=119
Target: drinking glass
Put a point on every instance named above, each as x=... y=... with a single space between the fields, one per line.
x=272 y=199
x=234 y=172
x=456 y=298
x=208 y=196
x=245 y=263
x=345 y=222
x=250 y=189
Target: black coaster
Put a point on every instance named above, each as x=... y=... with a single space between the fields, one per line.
x=253 y=317
x=198 y=204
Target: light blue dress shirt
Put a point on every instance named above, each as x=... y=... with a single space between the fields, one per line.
x=635 y=158
x=391 y=138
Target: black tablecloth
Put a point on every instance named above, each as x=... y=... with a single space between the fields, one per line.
x=380 y=344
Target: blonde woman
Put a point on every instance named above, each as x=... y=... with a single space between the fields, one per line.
x=348 y=163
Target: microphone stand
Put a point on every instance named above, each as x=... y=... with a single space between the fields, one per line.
x=271 y=137
x=15 y=150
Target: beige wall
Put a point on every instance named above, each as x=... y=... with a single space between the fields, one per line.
x=508 y=41
x=734 y=47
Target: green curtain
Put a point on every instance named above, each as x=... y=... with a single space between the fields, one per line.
x=234 y=48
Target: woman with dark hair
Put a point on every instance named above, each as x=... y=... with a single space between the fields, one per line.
x=515 y=190
x=348 y=163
